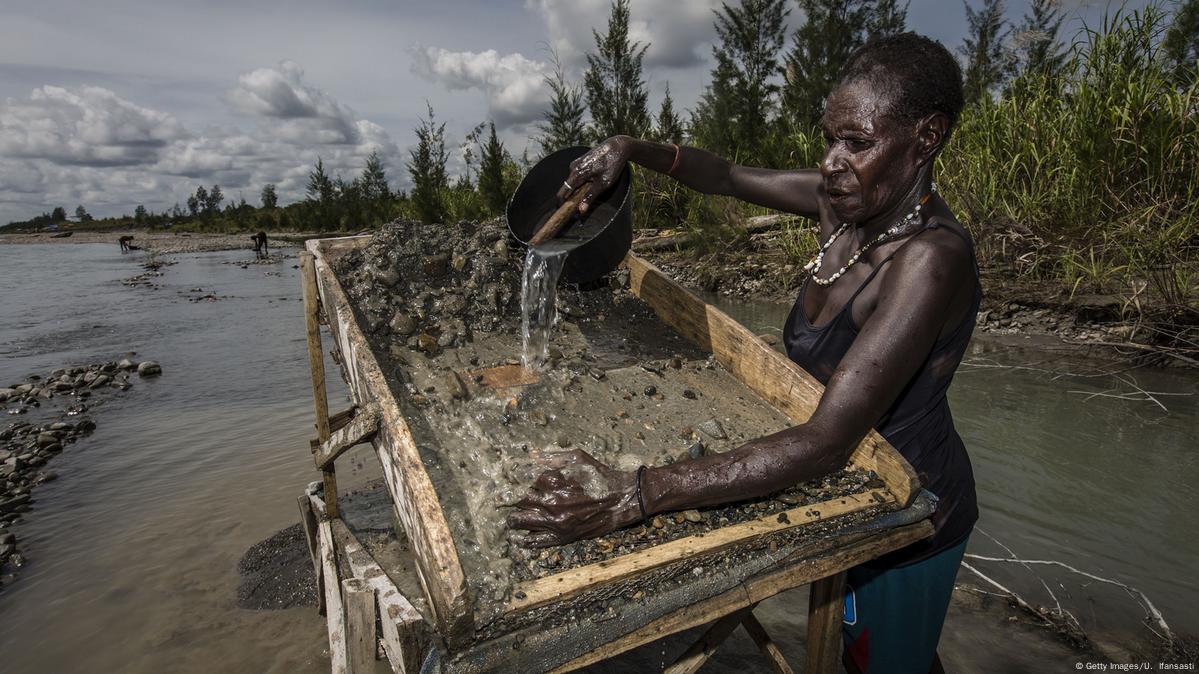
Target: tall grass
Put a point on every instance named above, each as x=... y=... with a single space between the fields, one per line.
x=1089 y=178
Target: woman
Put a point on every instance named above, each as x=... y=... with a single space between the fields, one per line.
x=883 y=319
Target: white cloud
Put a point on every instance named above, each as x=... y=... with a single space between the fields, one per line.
x=65 y=146
x=514 y=85
x=679 y=34
x=88 y=125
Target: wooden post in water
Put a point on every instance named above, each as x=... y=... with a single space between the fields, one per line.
x=316 y=362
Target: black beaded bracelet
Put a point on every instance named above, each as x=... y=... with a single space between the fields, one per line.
x=640 y=498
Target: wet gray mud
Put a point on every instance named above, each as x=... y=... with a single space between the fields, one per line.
x=440 y=306
x=276 y=573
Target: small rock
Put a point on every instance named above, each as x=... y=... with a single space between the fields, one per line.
x=693 y=516
x=689 y=394
x=713 y=429
x=102 y=380
x=427 y=343
x=650 y=390
x=455 y=386
x=435 y=265
x=126 y=364
x=149 y=368
x=403 y=324
x=697 y=450
x=657 y=522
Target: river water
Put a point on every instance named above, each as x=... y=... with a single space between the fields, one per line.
x=132 y=551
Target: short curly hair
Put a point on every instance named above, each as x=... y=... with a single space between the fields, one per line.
x=918 y=74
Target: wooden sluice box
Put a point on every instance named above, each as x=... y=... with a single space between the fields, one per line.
x=411 y=585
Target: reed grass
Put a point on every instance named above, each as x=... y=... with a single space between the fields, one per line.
x=1088 y=178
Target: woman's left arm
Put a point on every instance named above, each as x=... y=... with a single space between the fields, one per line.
x=913 y=307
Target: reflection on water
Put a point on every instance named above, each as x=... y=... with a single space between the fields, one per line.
x=1102 y=483
x=133 y=550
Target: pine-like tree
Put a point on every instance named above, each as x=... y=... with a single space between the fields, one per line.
x=563 y=125
x=212 y=205
x=428 y=170
x=372 y=184
x=988 y=62
x=615 y=89
x=831 y=30
x=270 y=198
x=59 y=214
x=1038 y=48
x=669 y=128
x=139 y=214
x=1180 y=46
x=886 y=17
x=734 y=112
x=320 y=186
x=492 y=186
x=82 y=214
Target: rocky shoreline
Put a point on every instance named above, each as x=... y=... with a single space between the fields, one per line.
x=58 y=407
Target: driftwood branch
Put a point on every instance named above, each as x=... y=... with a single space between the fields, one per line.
x=1150 y=609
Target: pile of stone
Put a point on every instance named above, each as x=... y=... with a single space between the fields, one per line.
x=27 y=446
x=443 y=283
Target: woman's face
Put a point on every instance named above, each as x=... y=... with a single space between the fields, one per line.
x=870 y=159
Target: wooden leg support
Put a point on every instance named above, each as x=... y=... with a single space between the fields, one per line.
x=701 y=650
x=778 y=664
x=825 y=611
x=308 y=519
x=316 y=363
x=359 y=600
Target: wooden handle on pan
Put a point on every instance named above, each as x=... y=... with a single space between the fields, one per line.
x=560 y=217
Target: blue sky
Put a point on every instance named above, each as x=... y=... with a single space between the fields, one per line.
x=139 y=101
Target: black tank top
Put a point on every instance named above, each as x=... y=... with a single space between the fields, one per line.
x=919 y=423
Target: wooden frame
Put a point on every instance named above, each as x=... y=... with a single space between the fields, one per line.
x=767 y=372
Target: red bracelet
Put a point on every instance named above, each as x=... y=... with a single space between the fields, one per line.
x=678 y=152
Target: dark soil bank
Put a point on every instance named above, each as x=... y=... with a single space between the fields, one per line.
x=277 y=573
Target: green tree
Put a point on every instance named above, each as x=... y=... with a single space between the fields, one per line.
x=988 y=62
x=669 y=128
x=82 y=215
x=373 y=181
x=213 y=204
x=735 y=110
x=885 y=17
x=193 y=204
x=831 y=30
x=615 y=89
x=1038 y=48
x=139 y=214
x=270 y=199
x=427 y=170
x=59 y=214
x=320 y=186
x=202 y=201
x=492 y=185
x=1180 y=46
x=563 y=124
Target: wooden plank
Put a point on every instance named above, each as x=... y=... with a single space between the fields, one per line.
x=774 y=657
x=703 y=649
x=316 y=363
x=334 y=614
x=406 y=636
x=770 y=374
x=339 y=420
x=358 y=597
x=826 y=607
x=308 y=518
x=416 y=503
x=812 y=562
x=361 y=429
x=571 y=582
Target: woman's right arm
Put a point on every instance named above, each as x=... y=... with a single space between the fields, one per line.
x=792 y=191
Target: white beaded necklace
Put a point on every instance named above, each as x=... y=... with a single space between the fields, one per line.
x=814 y=266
